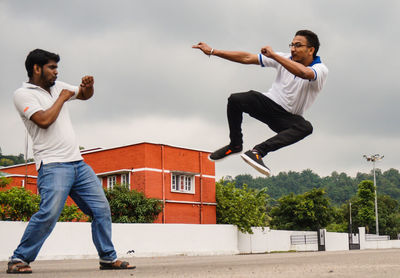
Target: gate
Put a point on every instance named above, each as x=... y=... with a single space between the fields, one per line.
x=354 y=241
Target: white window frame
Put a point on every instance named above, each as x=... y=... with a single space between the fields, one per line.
x=125 y=180
x=183 y=183
x=111 y=181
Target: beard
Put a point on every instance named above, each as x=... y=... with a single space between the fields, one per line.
x=47 y=82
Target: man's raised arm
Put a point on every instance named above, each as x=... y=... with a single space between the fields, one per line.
x=293 y=67
x=44 y=118
x=234 y=56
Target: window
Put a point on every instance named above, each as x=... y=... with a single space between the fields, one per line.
x=182 y=183
x=111 y=181
x=125 y=180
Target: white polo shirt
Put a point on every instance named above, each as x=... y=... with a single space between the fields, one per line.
x=57 y=143
x=291 y=92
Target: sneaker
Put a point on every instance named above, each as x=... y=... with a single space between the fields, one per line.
x=255 y=161
x=224 y=152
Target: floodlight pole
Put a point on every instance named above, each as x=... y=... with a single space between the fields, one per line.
x=376 y=201
x=351 y=223
x=374 y=158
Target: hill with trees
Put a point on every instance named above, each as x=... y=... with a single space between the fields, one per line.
x=339 y=187
x=8 y=160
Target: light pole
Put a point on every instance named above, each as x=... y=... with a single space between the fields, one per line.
x=351 y=223
x=374 y=158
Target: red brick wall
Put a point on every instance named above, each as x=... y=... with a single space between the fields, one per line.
x=182 y=213
x=147 y=161
x=21 y=170
x=138 y=181
x=128 y=157
x=153 y=184
x=209 y=214
x=30 y=184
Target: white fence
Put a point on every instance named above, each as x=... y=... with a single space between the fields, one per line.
x=336 y=241
x=376 y=244
x=372 y=237
x=266 y=241
x=73 y=240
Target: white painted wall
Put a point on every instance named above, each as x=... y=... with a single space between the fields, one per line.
x=266 y=241
x=376 y=244
x=73 y=240
x=336 y=241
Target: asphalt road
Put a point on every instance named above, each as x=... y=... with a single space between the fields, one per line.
x=354 y=264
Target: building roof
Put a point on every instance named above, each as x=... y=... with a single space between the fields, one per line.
x=94 y=150
x=141 y=143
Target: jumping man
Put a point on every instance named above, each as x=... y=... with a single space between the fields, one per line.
x=300 y=77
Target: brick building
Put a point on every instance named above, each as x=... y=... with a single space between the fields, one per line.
x=184 y=179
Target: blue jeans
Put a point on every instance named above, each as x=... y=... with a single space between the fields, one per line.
x=55 y=182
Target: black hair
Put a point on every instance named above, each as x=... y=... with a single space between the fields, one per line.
x=39 y=57
x=312 y=39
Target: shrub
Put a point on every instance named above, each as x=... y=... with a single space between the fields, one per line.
x=130 y=206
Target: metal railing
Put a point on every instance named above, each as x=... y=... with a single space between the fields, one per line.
x=371 y=237
x=303 y=239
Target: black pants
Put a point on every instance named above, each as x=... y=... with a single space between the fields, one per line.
x=290 y=128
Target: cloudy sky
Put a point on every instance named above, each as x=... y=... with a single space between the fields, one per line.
x=151 y=86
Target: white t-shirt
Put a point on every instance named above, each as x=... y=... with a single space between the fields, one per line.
x=57 y=143
x=291 y=92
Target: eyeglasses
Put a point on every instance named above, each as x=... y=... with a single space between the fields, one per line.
x=297 y=45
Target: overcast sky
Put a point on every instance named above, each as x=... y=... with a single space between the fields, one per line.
x=151 y=86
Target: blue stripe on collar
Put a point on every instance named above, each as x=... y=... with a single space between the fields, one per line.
x=317 y=60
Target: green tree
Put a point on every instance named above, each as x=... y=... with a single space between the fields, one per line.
x=241 y=180
x=389 y=216
x=72 y=213
x=242 y=207
x=130 y=206
x=308 y=211
x=340 y=219
x=364 y=205
x=4 y=181
x=388 y=209
x=339 y=187
x=18 y=204
x=6 y=161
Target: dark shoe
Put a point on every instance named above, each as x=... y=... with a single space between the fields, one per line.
x=116 y=265
x=255 y=161
x=224 y=152
x=17 y=267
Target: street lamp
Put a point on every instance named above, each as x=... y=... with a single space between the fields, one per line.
x=373 y=158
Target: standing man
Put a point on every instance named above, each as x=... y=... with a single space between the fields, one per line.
x=41 y=103
x=300 y=77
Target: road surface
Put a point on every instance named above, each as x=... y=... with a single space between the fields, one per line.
x=352 y=264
